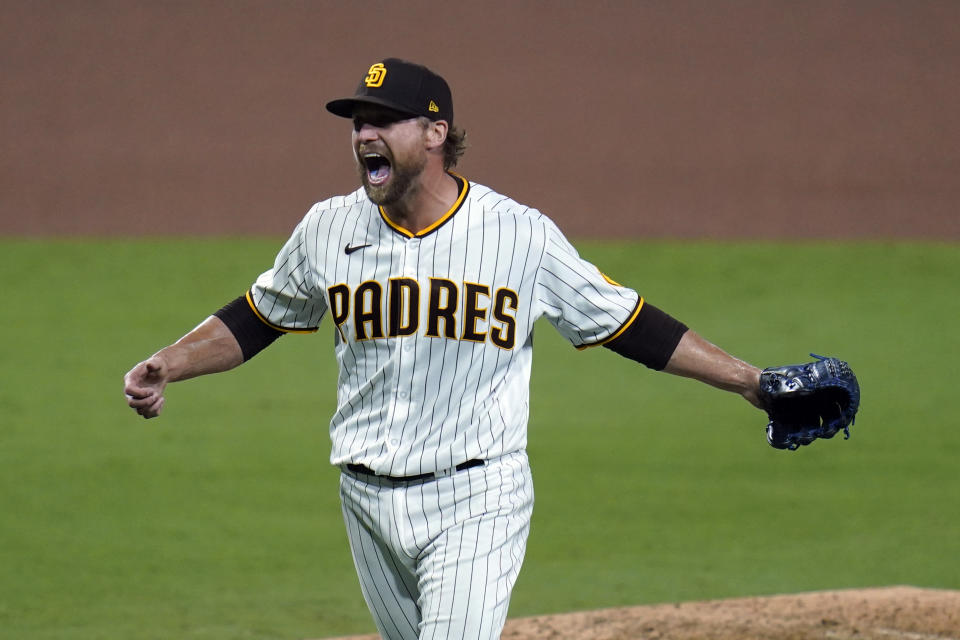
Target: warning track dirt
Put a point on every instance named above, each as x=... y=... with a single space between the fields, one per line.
x=891 y=613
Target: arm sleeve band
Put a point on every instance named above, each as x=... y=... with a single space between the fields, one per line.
x=251 y=333
x=650 y=339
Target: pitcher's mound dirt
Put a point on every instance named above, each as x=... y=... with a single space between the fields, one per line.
x=893 y=613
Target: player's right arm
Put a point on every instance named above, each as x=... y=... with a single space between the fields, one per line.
x=209 y=348
x=237 y=331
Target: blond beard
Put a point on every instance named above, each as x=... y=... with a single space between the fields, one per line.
x=399 y=184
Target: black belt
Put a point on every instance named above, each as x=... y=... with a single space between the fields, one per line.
x=463 y=466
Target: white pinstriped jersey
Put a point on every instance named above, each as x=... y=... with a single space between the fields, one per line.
x=433 y=331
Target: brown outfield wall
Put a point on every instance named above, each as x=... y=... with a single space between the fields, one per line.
x=764 y=118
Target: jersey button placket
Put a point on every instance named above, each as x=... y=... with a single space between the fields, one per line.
x=405 y=345
x=411 y=254
x=411 y=257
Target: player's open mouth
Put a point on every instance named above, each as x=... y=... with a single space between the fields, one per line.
x=378 y=168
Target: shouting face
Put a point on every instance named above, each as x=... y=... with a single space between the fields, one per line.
x=390 y=150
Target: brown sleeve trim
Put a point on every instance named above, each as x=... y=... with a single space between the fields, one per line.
x=650 y=339
x=251 y=333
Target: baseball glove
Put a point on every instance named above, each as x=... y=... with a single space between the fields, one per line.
x=809 y=401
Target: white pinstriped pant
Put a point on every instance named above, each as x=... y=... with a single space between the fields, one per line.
x=437 y=559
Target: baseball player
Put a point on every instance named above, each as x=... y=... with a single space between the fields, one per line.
x=432 y=285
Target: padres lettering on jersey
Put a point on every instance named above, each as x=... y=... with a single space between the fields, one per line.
x=433 y=331
x=467 y=311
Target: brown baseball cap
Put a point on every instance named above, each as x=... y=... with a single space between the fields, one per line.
x=402 y=86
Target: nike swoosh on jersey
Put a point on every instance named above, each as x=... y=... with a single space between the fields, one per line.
x=348 y=249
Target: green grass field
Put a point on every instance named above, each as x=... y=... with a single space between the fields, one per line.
x=221 y=520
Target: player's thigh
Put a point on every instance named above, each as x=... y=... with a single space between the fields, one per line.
x=467 y=573
x=387 y=579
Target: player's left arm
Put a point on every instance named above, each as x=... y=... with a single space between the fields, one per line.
x=695 y=357
x=663 y=343
x=647 y=334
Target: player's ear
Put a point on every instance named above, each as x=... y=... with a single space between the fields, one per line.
x=436 y=133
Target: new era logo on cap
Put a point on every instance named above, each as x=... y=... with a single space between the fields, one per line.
x=402 y=86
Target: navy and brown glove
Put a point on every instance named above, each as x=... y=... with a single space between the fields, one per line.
x=809 y=401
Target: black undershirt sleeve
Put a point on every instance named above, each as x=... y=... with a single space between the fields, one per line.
x=650 y=339
x=252 y=334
